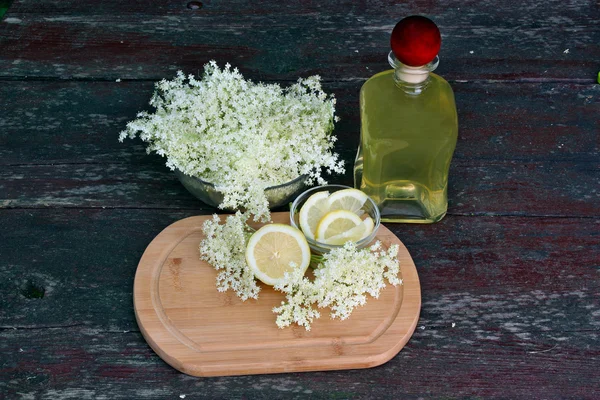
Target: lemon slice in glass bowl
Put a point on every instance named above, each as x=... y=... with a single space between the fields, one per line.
x=276 y=249
x=315 y=207
x=335 y=223
x=355 y=234
x=348 y=199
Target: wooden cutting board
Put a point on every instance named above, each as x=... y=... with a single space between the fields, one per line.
x=203 y=332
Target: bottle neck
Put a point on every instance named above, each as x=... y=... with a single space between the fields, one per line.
x=412 y=80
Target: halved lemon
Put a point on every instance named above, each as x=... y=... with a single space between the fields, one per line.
x=349 y=200
x=336 y=223
x=353 y=235
x=275 y=249
x=311 y=213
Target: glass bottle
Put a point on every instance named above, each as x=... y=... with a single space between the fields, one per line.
x=409 y=129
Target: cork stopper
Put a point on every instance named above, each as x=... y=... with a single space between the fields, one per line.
x=407 y=74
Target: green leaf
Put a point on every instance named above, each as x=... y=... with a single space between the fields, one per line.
x=4 y=5
x=598 y=80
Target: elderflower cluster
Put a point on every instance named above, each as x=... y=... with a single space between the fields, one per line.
x=342 y=281
x=240 y=136
x=300 y=296
x=224 y=247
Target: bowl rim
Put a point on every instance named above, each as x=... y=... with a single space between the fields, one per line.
x=293 y=181
x=320 y=245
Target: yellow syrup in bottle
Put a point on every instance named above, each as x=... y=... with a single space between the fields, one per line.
x=409 y=129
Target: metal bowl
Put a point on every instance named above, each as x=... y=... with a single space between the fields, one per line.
x=276 y=195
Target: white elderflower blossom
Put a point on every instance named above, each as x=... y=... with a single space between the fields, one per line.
x=224 y=247
x=241 y=136
x=299 y=296
x=347 y=275
x=342 y=281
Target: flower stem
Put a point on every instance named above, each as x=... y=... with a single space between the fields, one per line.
x=316 y=260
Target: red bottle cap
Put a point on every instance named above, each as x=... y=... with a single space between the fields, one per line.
x=416 y=41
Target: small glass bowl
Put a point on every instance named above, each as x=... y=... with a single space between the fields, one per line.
x=369 y=207
x=207 y=192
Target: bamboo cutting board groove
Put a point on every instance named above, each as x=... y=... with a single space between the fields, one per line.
x=202 y=332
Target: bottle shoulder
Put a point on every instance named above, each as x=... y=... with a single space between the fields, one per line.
x=383 y=76
x=439 y=79
x=386 y=78
x=382 y=89
x=383 y=102
x=443 y=84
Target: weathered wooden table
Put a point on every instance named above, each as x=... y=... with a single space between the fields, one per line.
x=510 y=278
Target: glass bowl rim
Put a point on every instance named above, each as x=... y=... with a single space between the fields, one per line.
x=215 y=186
x=306 y=194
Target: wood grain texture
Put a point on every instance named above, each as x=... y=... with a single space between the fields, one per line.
x=340 y=40
x=79 y=122
x=510 y=278
x=478 y=187
x=202 y=332
x=89 y=281
x=522 y=293
x=523 y=150
x=120 y=365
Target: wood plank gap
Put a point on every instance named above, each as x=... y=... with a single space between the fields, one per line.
x=60 y=163
x=63 y=207
x=582 y=81
x=458 y=162
x=519 y=215
x=466 y=215
x=26 y=78
x=58 y=327
x=29 y=328
x=494 y=329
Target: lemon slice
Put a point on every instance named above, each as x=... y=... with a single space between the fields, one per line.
x=336 y=223
x=272 y=249
x=349 y=200
x=353 y=235
x=311 y=213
